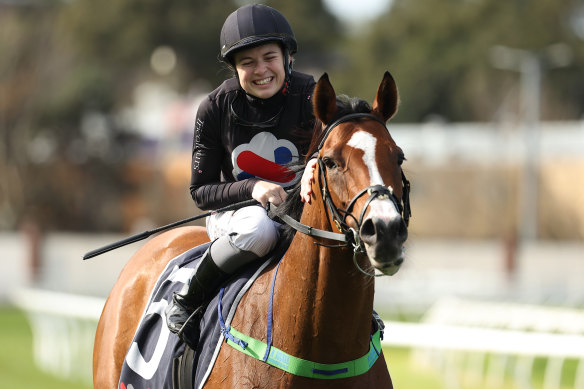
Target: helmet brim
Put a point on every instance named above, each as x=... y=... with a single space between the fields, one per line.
x=254 y=41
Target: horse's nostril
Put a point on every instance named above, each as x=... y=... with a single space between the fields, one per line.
x=403 y=231
x=398 y=261
x=367 y=229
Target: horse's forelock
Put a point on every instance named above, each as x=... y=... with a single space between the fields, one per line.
x=345 y=106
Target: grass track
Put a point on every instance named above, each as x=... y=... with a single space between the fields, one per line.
x=17 y=369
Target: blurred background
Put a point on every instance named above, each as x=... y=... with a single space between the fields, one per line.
x=97 y=107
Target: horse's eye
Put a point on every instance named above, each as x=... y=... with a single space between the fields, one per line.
x=329 y=163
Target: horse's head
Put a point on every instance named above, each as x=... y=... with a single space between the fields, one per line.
x=360 y=174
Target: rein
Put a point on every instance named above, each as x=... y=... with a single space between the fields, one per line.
x=350 y=235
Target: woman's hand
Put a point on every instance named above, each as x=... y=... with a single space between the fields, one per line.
x=307 y=180
x=265 y=192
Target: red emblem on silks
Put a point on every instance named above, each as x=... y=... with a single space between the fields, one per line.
x=265 y=157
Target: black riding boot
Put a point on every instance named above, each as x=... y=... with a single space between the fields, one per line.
x=184 y=313
x=186 y=309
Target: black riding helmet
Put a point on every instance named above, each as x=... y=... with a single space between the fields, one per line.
x=253 y=25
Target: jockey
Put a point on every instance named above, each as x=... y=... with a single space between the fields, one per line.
x=246 y=132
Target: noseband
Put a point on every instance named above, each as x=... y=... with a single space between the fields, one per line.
x=380 y=192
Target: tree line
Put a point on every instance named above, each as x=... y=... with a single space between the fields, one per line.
x=63 y=63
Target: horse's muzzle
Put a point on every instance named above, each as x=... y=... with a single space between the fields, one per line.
x=384 y=242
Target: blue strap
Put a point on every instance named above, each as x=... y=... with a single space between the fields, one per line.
x=270 y=314
x=372 y=343
x=330 y=372
x=224 y=329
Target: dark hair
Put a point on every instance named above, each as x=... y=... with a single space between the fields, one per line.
x=229 y=62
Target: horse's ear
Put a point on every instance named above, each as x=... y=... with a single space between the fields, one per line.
x=387 y=99
x=324 y=100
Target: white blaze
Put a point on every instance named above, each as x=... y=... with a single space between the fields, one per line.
x=365 y=141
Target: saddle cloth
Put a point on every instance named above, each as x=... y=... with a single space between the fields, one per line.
x=148 y=362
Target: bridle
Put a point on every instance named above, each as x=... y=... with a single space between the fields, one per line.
x=350 y=235
x=374 y=192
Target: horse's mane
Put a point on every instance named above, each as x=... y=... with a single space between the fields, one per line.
x=293 y=206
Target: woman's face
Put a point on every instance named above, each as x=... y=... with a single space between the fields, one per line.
x=261 y=70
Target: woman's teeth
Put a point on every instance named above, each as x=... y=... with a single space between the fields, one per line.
x=264 y=81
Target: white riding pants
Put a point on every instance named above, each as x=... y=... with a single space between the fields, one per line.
x=248 y=228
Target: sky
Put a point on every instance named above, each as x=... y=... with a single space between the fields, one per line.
x=357 y=9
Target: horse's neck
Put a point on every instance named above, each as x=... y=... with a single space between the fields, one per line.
x=325 y=304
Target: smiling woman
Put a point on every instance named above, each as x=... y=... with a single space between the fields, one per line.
x=261 y=70
x=246 y=132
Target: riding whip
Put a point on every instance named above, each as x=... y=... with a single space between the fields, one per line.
x=146 y=234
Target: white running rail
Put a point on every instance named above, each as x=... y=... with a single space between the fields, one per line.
x=453 y=333
x=63 y=327
x=510 y=337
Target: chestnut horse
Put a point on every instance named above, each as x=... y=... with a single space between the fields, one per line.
x=323 y=299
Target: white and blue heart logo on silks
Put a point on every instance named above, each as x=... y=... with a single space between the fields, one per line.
x=265 y=157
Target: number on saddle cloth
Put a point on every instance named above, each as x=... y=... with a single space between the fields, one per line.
x=149 y=360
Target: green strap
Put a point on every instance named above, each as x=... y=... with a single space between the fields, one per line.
x=304 y=368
